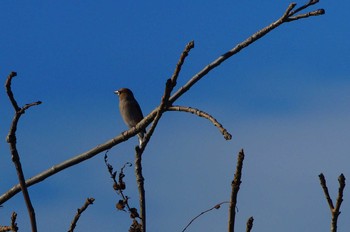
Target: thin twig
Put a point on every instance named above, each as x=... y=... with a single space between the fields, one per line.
x=306 y=15
x=9 y=90
x=183 y=56
x=13 y=222
x=146 y=121
x=141 y=187
x=202 y=114
x=12 y=140
x=217 y=206
x=170 y=84
x=119 y=185
x=13 y=226
x=89 y=201
x=236 y=182
x=326 y=192
x=335 y=211
x=310 y=3
x=249 y=224
x=235 y=50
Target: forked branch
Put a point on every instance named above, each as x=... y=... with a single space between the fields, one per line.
x=12 y=140
x=335 y=211
x=288 y=16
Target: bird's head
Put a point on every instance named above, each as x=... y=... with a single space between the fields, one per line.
x=124 y=93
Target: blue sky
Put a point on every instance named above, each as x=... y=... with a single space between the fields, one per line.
x=285 y=99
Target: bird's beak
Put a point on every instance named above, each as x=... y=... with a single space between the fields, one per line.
x=116 y=92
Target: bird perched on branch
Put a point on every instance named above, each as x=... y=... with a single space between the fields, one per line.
x=130 y=109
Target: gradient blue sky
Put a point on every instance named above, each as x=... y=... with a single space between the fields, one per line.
x=285 y=99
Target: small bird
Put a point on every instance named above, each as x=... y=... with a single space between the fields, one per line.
x=130 y=110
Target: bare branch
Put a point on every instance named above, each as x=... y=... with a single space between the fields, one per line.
x=170 y=84
x=119 y=186
x=234 y=192
x=306 y=15
x=310 y=3
x=13 y=226
x=9 y=90
x=184 y=54
x=334 y=210
x=325 y=190
x=13 y=222
x=202 y=114
x=5 y=228
x=233 y=51
x=89 y=201
x=12 y=140
x=217 y=206
x=147 y=120
x=141 y=187
x=249 y=224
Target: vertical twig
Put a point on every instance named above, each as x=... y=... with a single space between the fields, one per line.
x=12 y=140
x=335 y=211
x=141 y=187
x=14 y=227
x=170 y=84
x=234 y=192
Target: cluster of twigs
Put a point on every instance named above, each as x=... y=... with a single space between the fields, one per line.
x=119 y=186
x=166 y=104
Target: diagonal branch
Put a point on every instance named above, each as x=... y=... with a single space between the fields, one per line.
x=217 y=206
x=234 y=51
x=89 y=201
x=148 y=119
x=249 y=224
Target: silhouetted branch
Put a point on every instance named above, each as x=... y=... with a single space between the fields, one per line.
x=202 y=114
x=236 y=182
x=335 y=211
x=285 y=18
x=89 y=201
x=217 y=206
x=13 y=222
x=150 y=117
x=249 y=224
x=184 y=54
x=141 y=187
x=170 y=84
x=310 y=3
x=119 y=186
x=12 y=140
